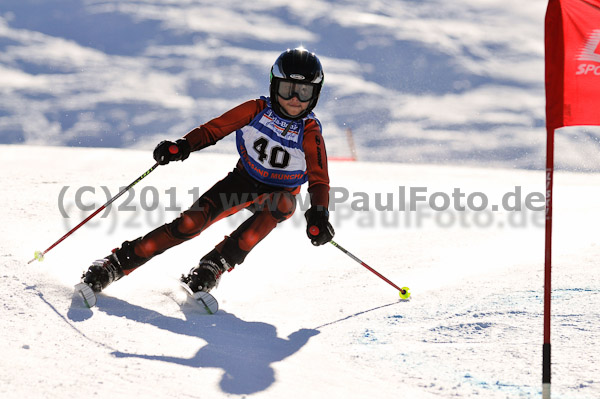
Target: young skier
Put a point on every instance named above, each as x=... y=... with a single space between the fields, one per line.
x=281 y=146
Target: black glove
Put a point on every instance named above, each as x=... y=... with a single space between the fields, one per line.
x=318 y=228
x=167 y=151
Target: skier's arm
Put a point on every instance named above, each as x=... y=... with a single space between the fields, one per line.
x=214 y=130
x=318 y=228
x=208 y=133
x=316 y=165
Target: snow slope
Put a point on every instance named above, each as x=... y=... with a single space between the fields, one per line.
x=297 y=322
x=456 y=82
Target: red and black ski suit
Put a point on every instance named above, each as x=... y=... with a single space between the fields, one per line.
x=238 y=190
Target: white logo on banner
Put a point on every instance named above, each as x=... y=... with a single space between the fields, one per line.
x=590 y=52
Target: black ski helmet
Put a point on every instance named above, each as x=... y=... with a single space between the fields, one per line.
x=298 y=66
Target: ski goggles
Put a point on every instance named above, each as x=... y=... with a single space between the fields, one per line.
x=287 y=90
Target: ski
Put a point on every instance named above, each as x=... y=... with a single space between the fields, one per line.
x=204 y=300
x=86 y=293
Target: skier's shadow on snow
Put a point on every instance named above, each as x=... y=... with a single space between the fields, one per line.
x=244 y=350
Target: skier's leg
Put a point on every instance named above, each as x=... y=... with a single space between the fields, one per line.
x=276 y=208
x=270 y=209
x=225 y=198
x=218 y=202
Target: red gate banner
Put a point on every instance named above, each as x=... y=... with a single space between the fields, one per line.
x=572 y=63
x=572 y=54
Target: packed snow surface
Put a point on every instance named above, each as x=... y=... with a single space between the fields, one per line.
x=298 y=321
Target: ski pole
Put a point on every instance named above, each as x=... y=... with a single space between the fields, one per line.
x=404 y=291
x=39 y=255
